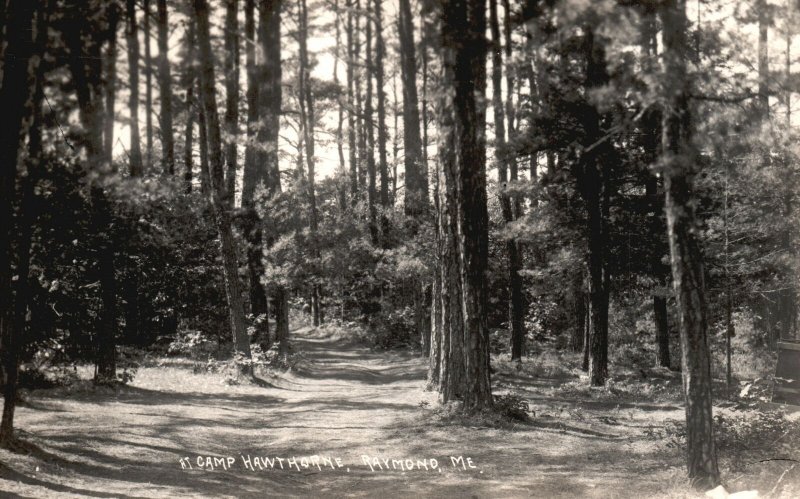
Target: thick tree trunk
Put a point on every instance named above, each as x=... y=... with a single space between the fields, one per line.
x=686 y=255
x=132 y=38
x=165 y=91
x=14 y=94
x=230 y=264
x=416 y=179
x=269 y=104
x=255 y=174
x=231 y=96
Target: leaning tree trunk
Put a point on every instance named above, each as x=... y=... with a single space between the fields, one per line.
x=217 y=176
x=680 y=160
x=165 y=91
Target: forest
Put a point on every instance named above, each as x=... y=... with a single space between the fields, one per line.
x=434 y=248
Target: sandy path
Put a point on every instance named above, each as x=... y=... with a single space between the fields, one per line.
x=343 y=402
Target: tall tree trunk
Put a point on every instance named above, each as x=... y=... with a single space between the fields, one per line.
x=593 y=185
x=148 y=73
x=230 y=265
x=269 y=103
x=464 y=47
x=165 y=91
x=416 y=179
x=255 y=174
x=132 y=37
x=231 y=96
x=687 y=267
x=15 y=93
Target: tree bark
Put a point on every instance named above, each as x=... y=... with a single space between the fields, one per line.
x=464 y=47
x=687 y=267
x=230 y=265
x=165 y=91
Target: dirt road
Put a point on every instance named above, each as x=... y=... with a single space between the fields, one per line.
x=174 y=433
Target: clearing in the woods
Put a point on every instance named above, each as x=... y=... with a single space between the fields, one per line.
x=160 y=435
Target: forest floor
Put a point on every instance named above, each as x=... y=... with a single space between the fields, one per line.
x=159 y=435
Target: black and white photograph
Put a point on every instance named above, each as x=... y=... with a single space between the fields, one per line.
x=400 y=249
